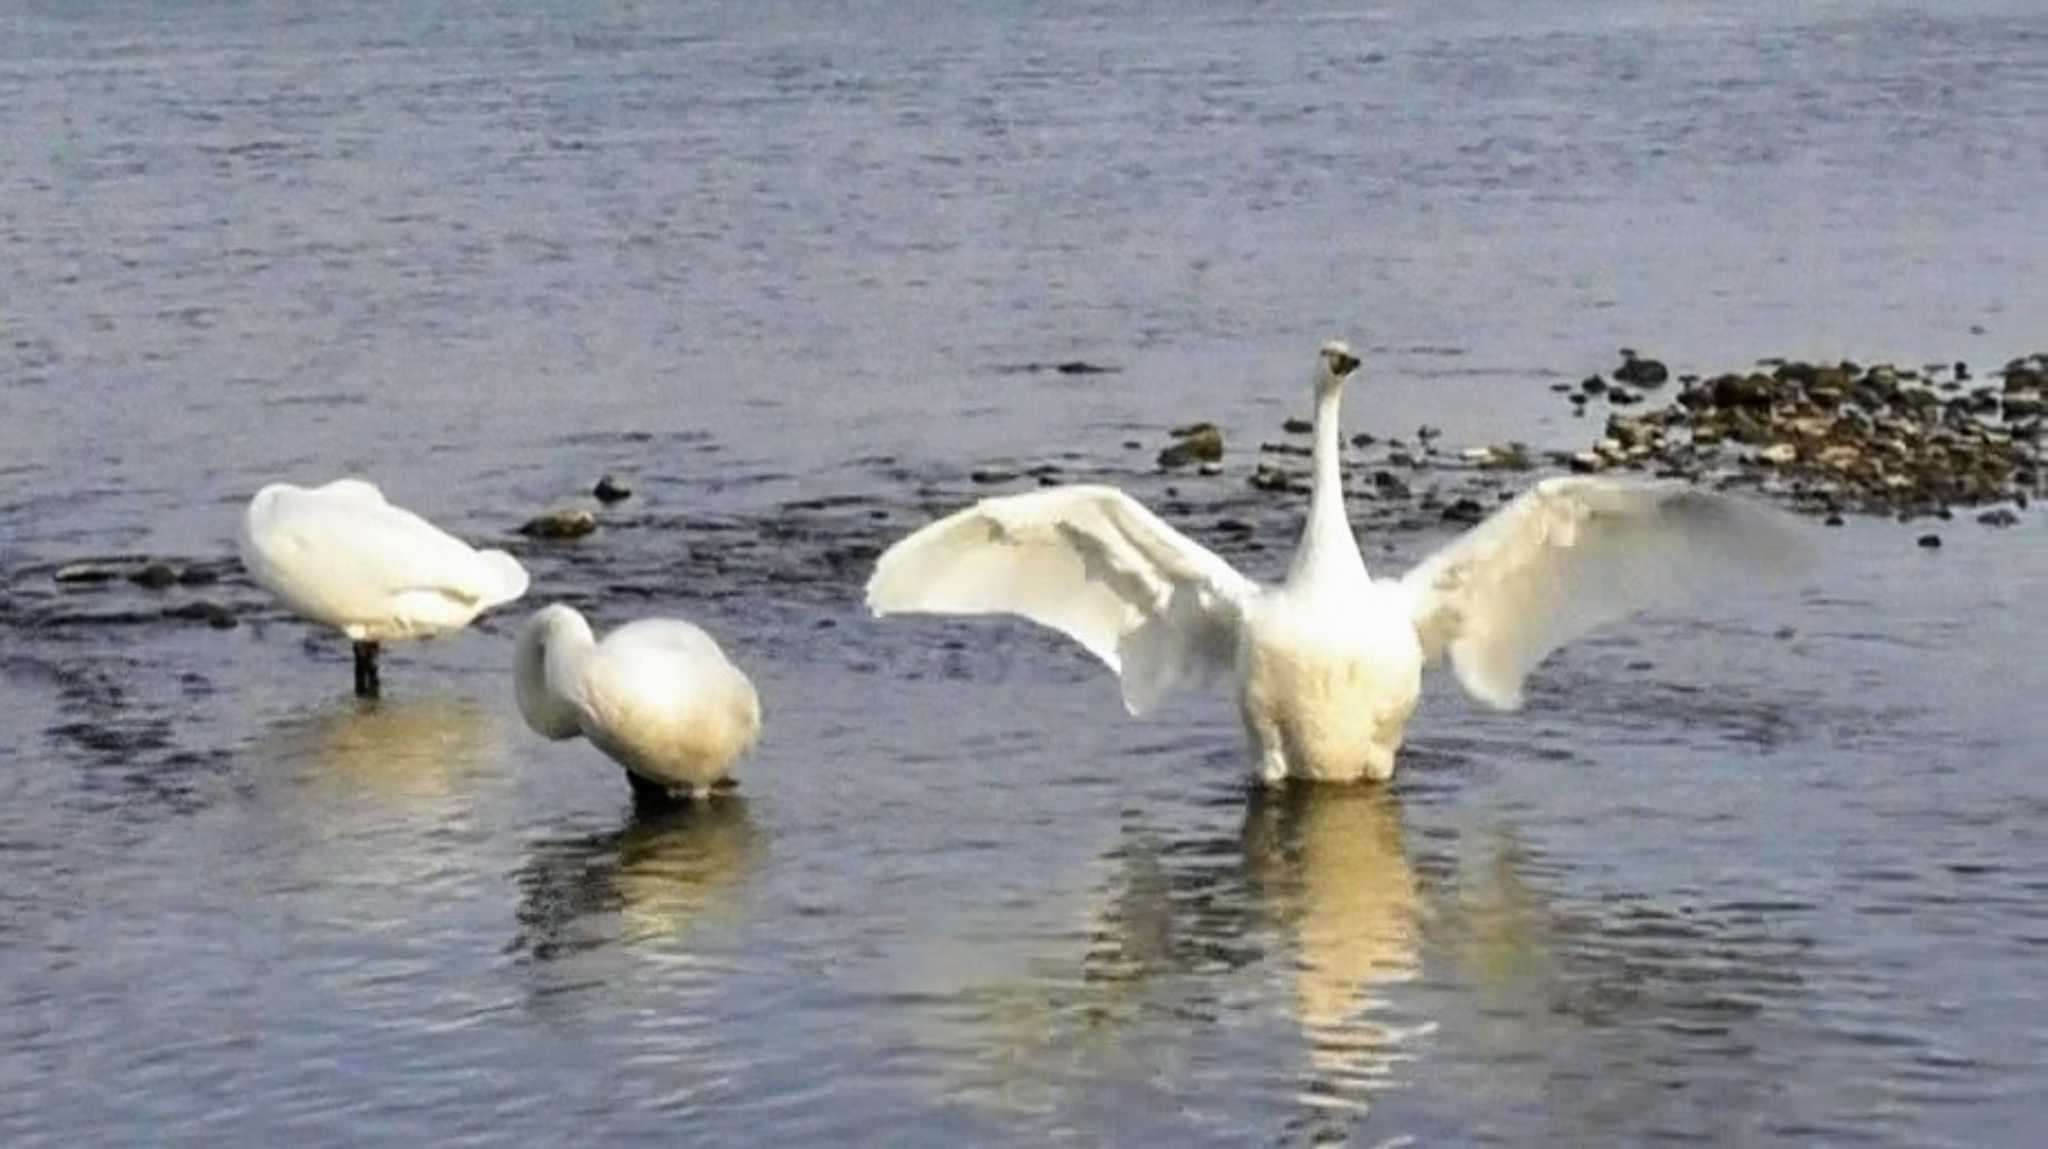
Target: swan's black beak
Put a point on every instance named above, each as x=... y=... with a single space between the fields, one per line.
x=1343 y=364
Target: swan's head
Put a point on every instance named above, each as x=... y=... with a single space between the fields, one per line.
x=1334 y=364
x=551 y=647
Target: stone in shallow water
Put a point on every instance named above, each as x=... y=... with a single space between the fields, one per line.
x=211 y=613
x=1202 y=444
x=87 y=572
x=610 y=490
x=155 y=576
x=560 y=523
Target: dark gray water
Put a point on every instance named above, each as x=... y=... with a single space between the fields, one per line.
x=1776 y=873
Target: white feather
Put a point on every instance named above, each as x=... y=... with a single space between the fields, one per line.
x=1091 y=563
x=658 y=696
x=342 y=556
x=1572 y=553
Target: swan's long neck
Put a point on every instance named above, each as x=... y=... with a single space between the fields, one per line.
x=552 y=656
x=1328 y=553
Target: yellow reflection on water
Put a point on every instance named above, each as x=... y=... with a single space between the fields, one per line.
x=413 y=747
x=641 y=885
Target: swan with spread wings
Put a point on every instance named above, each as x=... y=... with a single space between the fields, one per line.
x=1328 y=664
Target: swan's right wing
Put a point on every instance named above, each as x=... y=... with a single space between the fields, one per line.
x=1088 y=561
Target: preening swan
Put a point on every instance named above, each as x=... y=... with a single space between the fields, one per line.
x=658 y=696
x=1328 y=664
x=342 y=556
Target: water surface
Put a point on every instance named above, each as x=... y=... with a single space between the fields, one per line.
x=1771 y=873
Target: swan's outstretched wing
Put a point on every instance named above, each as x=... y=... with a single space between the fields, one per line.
x=1572 y=553
x=342 y=555
x=1087 y=561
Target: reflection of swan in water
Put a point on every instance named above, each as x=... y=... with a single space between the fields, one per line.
x=1310 y=894
x=374 y=793
x=637 y=886
x=414 y=747
x=1332 y=867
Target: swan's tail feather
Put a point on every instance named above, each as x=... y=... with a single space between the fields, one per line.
x=507 y=579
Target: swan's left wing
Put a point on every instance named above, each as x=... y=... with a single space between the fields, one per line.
x=1572 y=553
x=1088 y=561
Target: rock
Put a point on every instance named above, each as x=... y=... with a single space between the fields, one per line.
x=610 y=490
x=1083 y=367
x=1593 y=385
x=1465 y=510
x=1209 y=470
x=1202 y=443
x=1390 y=486
x=1778 y=454
x=199 y=610
x=1930 y=542
x=1560 y=387
x=1833 y=519
x=1586 y=463
x=560 y=523
x=1363 y=439
x=87 y=571
x=987 y=476
x=1747 y=392
x=1270 y=478
x=155 y=576
x=2017 y=407
x=1297 y=426
x=1998 y=517
x=1186 y=429
x=1428 y=434
x=1622 y=396
x=1641 y=372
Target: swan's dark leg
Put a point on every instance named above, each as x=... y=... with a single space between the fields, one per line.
x=366 y=670
x=651 y=794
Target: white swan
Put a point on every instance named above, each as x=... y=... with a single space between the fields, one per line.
x=658 y=696
x=342 y=556
x=1328 y=664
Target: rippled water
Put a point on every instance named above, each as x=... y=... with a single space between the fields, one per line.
x=1772 y=874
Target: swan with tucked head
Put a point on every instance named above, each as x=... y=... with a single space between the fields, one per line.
x=342 y=556
x=1328 y=664
x=658 y=696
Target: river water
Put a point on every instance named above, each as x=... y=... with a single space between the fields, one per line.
x=1771 y=871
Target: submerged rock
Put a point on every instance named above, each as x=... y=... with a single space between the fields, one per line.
x=1640 y=372
x=87 y=571
x=1197 y=443
x=610 y=490
x=199 y=610
x=560 y=523
x=155 y=576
